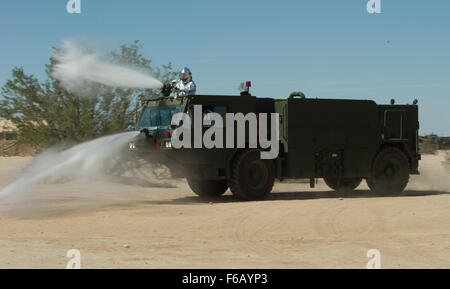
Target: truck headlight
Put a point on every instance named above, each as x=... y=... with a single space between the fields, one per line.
x=168 y=145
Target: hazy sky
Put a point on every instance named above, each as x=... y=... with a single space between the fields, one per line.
x=325 y=48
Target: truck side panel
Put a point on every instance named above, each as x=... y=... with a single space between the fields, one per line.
x=400 y=127
x=331 y=137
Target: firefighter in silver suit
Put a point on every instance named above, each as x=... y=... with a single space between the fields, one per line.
x=186 y=86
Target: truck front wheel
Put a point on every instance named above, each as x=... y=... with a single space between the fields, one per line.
x=390 y=172
x=343 y=184
x=207 y=188
x=251 y=177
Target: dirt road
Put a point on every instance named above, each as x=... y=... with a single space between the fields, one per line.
x=127 y=224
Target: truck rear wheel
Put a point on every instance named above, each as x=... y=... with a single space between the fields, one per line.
x=251 y=177
x=390 y=172
x=343 y=184
x=207 y=188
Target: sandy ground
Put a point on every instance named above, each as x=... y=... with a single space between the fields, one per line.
x=116 y=224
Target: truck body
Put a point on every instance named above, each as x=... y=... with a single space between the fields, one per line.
x=340 y=140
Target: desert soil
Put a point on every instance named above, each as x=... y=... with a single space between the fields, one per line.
x=128 y=224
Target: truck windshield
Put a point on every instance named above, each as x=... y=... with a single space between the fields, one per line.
x=158 y=116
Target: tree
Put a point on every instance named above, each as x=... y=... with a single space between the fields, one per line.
x=46 y=113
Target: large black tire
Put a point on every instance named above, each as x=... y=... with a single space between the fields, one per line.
x=343 y=184
x=207 y=188
x=251 y=177
x=390 y=172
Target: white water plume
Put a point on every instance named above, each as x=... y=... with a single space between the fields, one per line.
x=81 y=162
x=76 y=65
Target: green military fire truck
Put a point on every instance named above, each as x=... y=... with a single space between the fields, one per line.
x=342 y=141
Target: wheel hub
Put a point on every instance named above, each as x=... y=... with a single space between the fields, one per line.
x=390 y=171
x=257 y=174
